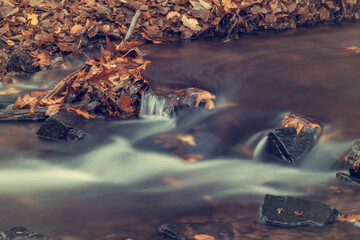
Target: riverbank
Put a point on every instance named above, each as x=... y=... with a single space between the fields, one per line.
x=41 y=33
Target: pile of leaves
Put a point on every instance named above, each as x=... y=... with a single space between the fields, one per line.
x=51 y=29
x=110 y=86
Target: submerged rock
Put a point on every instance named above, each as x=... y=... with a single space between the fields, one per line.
x=63 y=126
x=348 y=179
x=294 y=140
x=21 y=233
x=198 y=231
x=354 y=160
x=285 y=211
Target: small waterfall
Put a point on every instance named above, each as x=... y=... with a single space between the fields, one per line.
x=152 y=105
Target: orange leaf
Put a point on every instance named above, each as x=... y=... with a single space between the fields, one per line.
x=33 y=18
x=298 y=124
x=350 y=218
x=172 y=14
x=298 y=213
x=279 y=210
x=203 y=237
x=81 y=112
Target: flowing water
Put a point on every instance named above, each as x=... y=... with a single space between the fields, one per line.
x=109 y=187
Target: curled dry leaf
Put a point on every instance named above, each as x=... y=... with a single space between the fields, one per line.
x=202 y=95
x=349 y=218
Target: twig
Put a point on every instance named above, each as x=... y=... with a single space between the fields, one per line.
x=132 y=25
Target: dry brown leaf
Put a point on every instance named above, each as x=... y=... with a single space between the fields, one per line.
x=279 y=210
x=228 y=5
x=76 y=29
x=203 y=95
x=10 y=43
x=172 y=14
x=33 y=18
x=191 y=23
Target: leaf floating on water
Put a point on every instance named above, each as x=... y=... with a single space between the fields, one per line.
x=353 y=49
x=279 y=210
x=203 y=237
x=298 y=213
x=202 y=95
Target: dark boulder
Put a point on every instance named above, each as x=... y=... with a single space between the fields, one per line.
x=294 y=140
x=285 y=211
x=353 y=160
x=63 y=126
x=21 y=233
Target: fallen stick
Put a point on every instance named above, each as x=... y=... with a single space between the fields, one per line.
x=22 y=115
x=132 y=25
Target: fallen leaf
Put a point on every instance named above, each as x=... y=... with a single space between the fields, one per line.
x=188 y=139
x=203 y=237
x=172 y=14
x=349 y=218
x=81 y=112
x=298 y=124
x=33 y=18
x=52 y=110
x=191 y=23
x=203 y=95
x=298 y=213
x=76 y=29
x=228 y=5
x=279 y=210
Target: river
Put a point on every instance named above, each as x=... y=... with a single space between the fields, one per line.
x=111 y=186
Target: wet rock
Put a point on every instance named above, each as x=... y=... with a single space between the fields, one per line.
x=22 y=61
x=348 y=179
x=63 y=126
x=161 y=101
x=171 y=231
x=21 y=233
x=285 y=211
x=353 y=160
x=294 y=140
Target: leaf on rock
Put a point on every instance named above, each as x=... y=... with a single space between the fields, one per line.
x=349 y=218
x=298 y=124
x=81 y=112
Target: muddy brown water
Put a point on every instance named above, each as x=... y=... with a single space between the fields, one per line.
x=105 y=188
